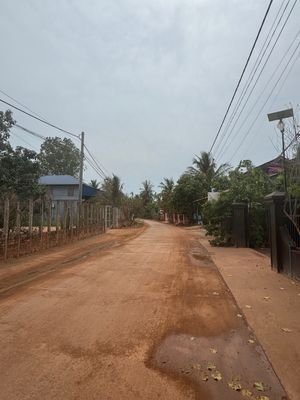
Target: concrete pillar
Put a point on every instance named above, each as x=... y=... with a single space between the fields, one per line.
x=275 y=203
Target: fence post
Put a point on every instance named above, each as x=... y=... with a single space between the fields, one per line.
x=30 y=221
x=42 y=222
x=18 y=227
x=6 y=226
x=71 y=219
x=57 y=220
x=49 y=223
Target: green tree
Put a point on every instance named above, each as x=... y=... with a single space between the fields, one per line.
x=6 y=123
x=112 y=191
x=59 y=157
x=166 y=195
x=189 y=192
x=246 y=184
x=94 y=183
x=149 y=203
x=19 y=168
x=205 y=166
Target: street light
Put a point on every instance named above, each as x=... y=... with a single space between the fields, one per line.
x=280 y=115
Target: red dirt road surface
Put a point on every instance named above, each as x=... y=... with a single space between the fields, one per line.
x=150 y=318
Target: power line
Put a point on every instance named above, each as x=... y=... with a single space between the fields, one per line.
x=30 y=132
x=94 y=167
x=260 y=110
x=256 y=65
x=227 y=145
x=40 y=119
x=92 y=162
x=259 y=75
x=242 y=74
x=101 y=167
x=25 y=141
x=21 y=104
x=279 y=90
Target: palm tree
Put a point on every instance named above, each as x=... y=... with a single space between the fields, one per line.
x=94 y=183
x=113 y=190
x=146 y=192
x=206 y=166
x=167 y=185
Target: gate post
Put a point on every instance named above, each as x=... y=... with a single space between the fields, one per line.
x=240 y=225
x=275 y=203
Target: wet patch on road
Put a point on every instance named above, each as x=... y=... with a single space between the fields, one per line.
x=225 y=367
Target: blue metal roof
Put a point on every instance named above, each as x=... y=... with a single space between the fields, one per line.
x=49 y=180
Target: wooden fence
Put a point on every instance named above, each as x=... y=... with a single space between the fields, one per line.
x=30 y=226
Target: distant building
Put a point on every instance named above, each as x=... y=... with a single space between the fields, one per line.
x=273 y=167
x=66 y=187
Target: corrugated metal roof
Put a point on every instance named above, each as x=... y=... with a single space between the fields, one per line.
x=58 y=180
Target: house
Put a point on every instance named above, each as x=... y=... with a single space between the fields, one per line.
x=273 y=168
x=66 y=187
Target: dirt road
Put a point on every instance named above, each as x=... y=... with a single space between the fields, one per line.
x=151 y=319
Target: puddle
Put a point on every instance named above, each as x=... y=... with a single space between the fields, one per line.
x=231 y=358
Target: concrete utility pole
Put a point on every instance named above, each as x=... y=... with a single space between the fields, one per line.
x=81 y=167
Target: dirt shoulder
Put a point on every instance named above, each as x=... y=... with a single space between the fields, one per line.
x=16 y=273
x=270 y=303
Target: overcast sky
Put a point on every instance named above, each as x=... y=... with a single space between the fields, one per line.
x=148 y=81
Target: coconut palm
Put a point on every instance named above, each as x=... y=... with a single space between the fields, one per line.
x=206 y=166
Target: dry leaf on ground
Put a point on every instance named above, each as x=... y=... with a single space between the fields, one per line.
x=215 y=293
x=247 y=306
x=251 y=341
x=246 y=393
x=235 y=386
x=217 y=376
x=266 y=297
x=263 y=398
x=197 y=366
x=239 y=315
x=281 y=288
x=204 y=376
x=286 y=330
x=211 y=366
x=261 y=386
x=213 y=351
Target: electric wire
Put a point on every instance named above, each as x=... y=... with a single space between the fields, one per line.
x=226 y=145
x=254 y=69
x=89 y=161
x=25 y=141
x=92 y=162
x=21 y=104
x=30 y=132
x=258 y=77
x=241 y=76
x=275 y=97
x=269 y=96
x=40 y=119
x=100 y=166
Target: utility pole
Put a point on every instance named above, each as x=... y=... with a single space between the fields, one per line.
x=81 y=167
x=279 y=116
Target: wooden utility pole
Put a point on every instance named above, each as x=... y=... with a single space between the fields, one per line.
x=81 y=167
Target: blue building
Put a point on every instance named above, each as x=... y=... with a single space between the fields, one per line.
x=66 y=187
